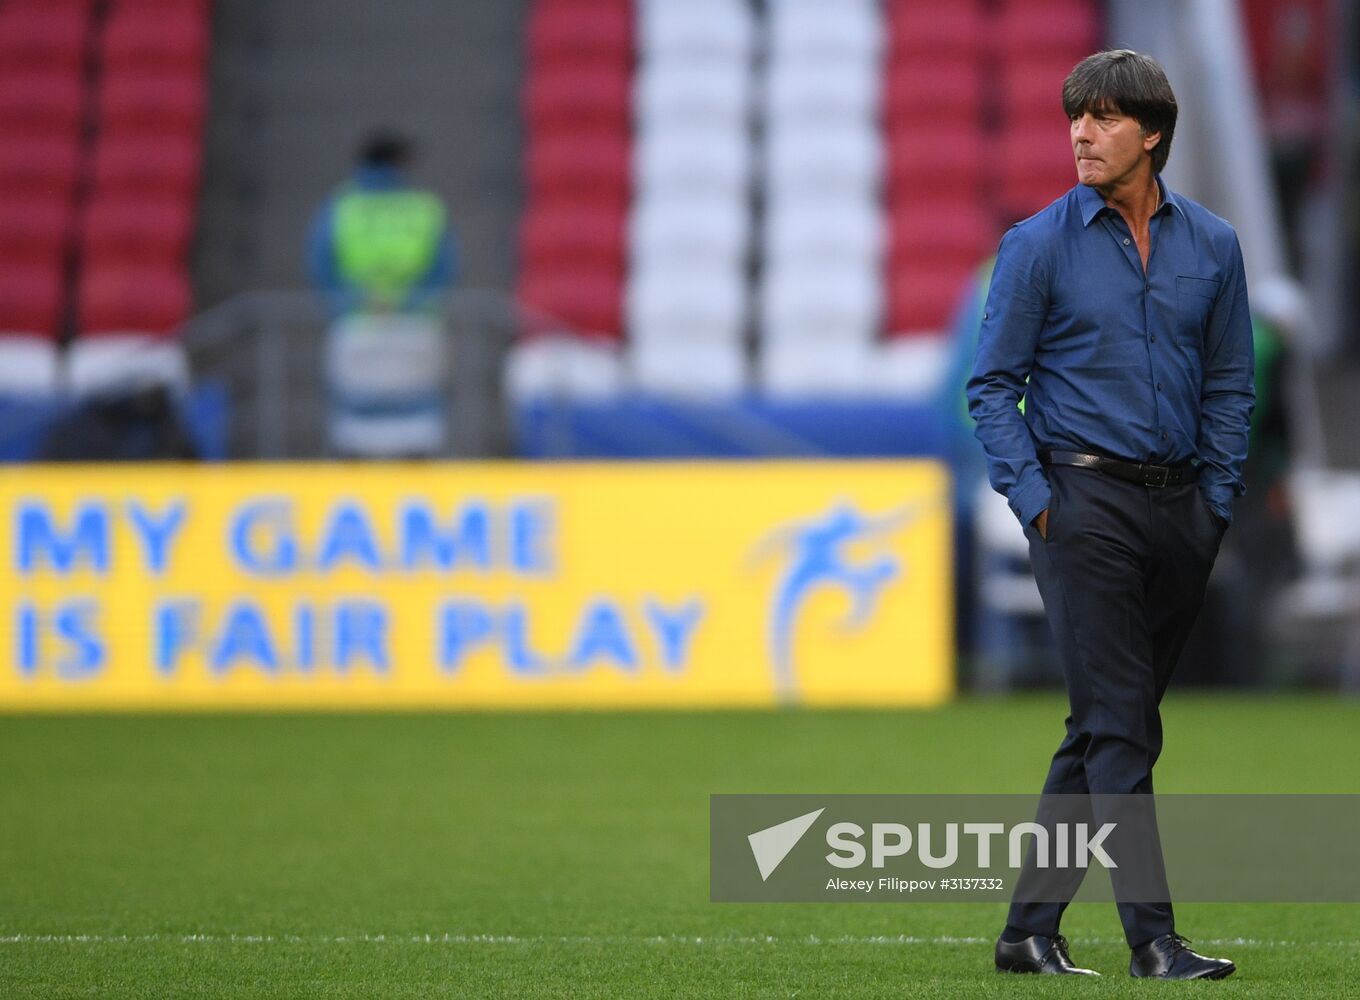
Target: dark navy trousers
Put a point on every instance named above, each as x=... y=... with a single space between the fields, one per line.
x=1122 y=573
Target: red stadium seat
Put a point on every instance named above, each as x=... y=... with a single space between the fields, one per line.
x=573 y=30
x=41 y=102
x=930 y=230
x=586 y=301
x=142 y=36
x=935 y=30
x=592 y=166
x=590 y=235
x=165 y=100
x=47 y=36
x=146 y=228
x=1032 y=88
x=30 y=300
x=39 y=165
x=131 y=162
x=130 y=298
x=925 y=296
x=1030 y=28
x=586 y=95
x=34 y=229
x=944 y=91
x=945 y=162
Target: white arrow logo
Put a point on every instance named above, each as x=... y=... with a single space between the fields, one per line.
x=772 y=845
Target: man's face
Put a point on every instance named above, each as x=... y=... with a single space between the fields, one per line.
x=1109 y=146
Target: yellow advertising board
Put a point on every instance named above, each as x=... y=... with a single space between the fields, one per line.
x=479 y=585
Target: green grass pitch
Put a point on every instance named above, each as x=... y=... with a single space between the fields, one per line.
x=528 y=855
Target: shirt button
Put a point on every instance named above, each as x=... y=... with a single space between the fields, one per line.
x=1163 y=435
x=1159 y=387
x=1153 y=338
x=1126 y=241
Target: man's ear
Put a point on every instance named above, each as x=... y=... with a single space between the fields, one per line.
x=1150 y=140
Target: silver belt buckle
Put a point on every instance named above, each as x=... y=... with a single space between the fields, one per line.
x=1155 y=475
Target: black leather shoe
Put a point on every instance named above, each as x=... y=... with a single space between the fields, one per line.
x=1167 y=957
x=1036 y=953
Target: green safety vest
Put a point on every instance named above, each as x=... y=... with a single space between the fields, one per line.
x=386 y=241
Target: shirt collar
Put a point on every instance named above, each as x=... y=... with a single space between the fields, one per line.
x=1092 y=204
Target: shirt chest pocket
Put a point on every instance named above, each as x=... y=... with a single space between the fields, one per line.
x=1195 y=299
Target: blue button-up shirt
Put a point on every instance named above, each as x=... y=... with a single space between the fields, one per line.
x=1151 y=366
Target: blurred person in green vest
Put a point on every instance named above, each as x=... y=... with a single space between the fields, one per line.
x=381 y=254
x=379 y=244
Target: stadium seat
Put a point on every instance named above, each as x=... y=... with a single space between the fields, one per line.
x=697 y=304
x=50 y=36
x=155 y=36
x=167 y=100
x=1029 y=28
x=718 y=32
x=693 y=161
x=674 y=92
x=572 y=299
x=39 y=166
x=30 y=300
x=816 y=369
x=579 y=30
x=582 y=232
x=565 y=367
x=34 y=229
x=934 y=93
x=712 y=369
x=685 y=231
x=145 y=228
x=935 y=30
x=132 y=298
x=1032 y=89
x=910 y=368
x=820 y=301
x=113 y=363
x=816 y=30
x=815 y=160
x=41 y=102
x=137 y=164
x=579 y=165
x=929 y=229
x=578 y=96
x=29 y=366
x=822 y=90
x=923 y=297
x=938 y=163
x=850 y=230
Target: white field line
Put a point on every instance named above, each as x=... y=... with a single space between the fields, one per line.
x=587 y=939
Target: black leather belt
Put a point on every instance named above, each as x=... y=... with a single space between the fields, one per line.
x=1156 y=476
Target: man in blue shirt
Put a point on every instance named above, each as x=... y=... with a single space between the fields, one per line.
x=1119 y=313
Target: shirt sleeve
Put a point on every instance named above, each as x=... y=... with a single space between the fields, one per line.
x=1228 y=394
x=1012 y=319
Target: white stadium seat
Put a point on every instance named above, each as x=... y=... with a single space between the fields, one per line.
x=819 y=160
x=566 y=367
x=115 y=362
x=695 y=369
x=692 y=161
x=821 y=302
x=687 y=230
x=846 y=229
x=698 y=30
x=29 y=366
x=813 y=369
x=817 y=29
x=823 y=89
x=699 y=303
x=682 y=92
